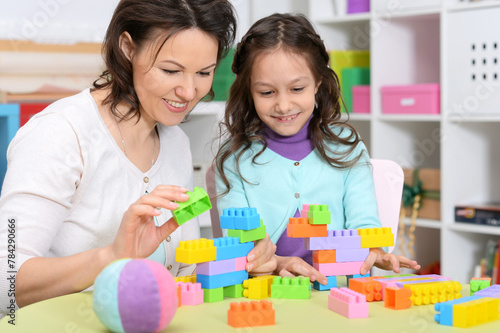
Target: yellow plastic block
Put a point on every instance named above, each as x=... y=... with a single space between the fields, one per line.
x=258 y=287
x=196 y=251
x=475 y=312
x=189 y=278
x=376 y=237
x=434 y=292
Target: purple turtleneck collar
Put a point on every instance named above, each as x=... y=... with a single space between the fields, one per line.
x=294 y=147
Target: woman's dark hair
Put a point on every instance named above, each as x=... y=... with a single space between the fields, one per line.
x=142 y=19
x=296 y=35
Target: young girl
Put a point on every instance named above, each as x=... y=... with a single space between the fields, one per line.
x=287 y=145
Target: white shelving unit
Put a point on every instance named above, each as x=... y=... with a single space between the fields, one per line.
x=453 y=43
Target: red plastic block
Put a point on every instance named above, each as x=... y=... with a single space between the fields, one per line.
x=191 y=293
x=339 y=268
x=324 y=256
x=251 y=314
x=336 y=239
x=299 y=227
x=397 y=298
x=348 y=303
x=370 y=288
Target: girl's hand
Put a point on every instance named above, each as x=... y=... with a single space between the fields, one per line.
x=388 y=261
x=294 y=266
x=138 y=236
x=261 y=259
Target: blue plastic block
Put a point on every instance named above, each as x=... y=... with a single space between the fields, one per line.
x=240 y=218
x=445 y=317
x=221 y=280
x=9 y=124
x=332 y=283
x=230 y=247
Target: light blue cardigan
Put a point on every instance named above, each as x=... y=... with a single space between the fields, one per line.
x=278 y=187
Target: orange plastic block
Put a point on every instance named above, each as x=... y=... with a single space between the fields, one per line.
x=324 y=256
x=397 y=298
x=368 y=287
x=251 y=314
x=476 y=312
x=434 y=292
x=376 y=237
x=188 y=278
x=178 y=295
x=258 y=287
x=299 y=227
x=196 y=251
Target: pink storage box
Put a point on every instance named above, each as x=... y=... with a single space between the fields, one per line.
x=361 y=99
x=411 y=99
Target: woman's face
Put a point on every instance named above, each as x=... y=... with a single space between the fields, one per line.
x=179 y=78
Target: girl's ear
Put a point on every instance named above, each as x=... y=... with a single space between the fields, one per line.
x=127 y=45
x=317 y=87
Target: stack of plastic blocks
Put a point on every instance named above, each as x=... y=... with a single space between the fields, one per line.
x=197 y=203
x=251 y=314
x=477 y=284
x=243 y=223
x=467 y=311
x=298 y=287
x=348 y=303
x=493 y=292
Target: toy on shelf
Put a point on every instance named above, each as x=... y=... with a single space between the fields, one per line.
x=135 y=295
x=348 y=303
x=251 y=314
x=198 y=203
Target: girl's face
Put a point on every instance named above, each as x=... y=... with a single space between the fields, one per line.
x=283 y=89
x=181 y=75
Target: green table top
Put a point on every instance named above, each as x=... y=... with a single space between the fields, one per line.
x=73 y=313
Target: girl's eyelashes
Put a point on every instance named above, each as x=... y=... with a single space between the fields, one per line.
x=204 y=73
x=298 y=89
x=266 y=93
x=169 y=71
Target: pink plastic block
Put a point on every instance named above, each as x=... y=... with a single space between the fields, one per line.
x=191 y=293
x=361 y=99
x=387 y=284
x=339 y=268
x=336 y=239
x=348 y=303
x=412 y=99
x=241 y=263
x=217 y=267
x=348 y=255
x=303 y=212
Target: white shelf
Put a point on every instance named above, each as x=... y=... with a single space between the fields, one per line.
x=409 y=14
x=475 y=228
x=408 y=117
x=472 y=6
x=356 y=117
x=362 y=17
x=424 y=223
x=474 y=119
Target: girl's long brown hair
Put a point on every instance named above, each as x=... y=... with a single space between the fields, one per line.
x=294 y=34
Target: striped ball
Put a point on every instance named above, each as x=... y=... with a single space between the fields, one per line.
x=135 y=295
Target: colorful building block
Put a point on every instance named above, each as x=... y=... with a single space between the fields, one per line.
x=196 y=251
x=368 y=287
x=291 y=288
x=249 y=235
x=332 y=283
x=348 y=255
x=251 y=314
x=445 y=317
x=213 y=295
x=217 y=267
x=493 y=292
x=221 y=280
x=258 y=287
x=348 y=303
x=241 y=263
x=230 y=247
x=477 y=284
x=189 y=278
x=476 y=312
x=376 y=237
x=358 y=276
x=324 y=256
x=397 y=298
x=335 y=239
x=299 y=227
x=401 y=284
x=191 y=293
x=234 y=291
x=339 y=268
x=434 y=292
x=197 y=203
x=240 y=218
x=319 y=214
x=303 y=211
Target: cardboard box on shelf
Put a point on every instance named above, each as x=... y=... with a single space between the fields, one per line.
x=430 y=204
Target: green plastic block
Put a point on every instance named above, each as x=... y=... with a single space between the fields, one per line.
x=248 y=235
x=348 y=58
x=234 y=291
x=291 y=288
x=318 y=214
x=355 y=76
x=479 y=284
x=198 y=203
x=213 y=295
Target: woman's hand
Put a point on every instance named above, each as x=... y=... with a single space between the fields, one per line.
x=294 y=266
x=388 y=261
x=261 y=259
x=138 y=236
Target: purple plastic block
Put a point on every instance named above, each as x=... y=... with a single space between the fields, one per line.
x=401 y=284
x=429 y=276
x=347 y=255
x=492 y=291
x=336 y=239
x=358 y=6
x=216 y=267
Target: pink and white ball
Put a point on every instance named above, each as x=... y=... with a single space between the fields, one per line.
x=135 y=295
